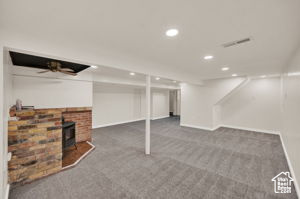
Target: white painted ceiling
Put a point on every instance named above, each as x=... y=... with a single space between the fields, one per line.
x=131 y=34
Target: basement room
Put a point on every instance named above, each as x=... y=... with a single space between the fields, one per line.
x=149 y=99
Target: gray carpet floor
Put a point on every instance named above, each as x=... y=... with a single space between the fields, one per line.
x=184 y=163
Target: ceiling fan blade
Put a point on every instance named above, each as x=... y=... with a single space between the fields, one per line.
x=45 y=71
x=67 y=69
x=68 y=73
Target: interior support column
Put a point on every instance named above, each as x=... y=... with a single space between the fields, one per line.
x=148 y=114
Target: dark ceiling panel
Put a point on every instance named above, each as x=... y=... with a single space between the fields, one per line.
x=20 y=59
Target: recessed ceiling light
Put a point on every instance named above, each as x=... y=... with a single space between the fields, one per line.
x=157 y=78
x=263 y=76
x=174 y=81
x=294 y=74
x=234 y=75
x=132 y=73
x=172 y=32
x=207 y=57
x=94 y=67
x=225 y=68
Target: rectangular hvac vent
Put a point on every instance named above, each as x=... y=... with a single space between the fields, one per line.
x=234 y=43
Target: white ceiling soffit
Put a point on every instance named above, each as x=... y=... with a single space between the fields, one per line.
x=131 y=34
x=97 y=74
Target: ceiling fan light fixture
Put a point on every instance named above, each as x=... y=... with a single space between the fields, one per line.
x=55 y=66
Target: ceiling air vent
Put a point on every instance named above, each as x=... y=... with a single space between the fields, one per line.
x=234 y=43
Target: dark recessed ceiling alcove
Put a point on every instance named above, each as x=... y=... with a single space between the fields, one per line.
x=26 y=60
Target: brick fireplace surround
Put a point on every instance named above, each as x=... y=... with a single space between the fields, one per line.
x=35 y=141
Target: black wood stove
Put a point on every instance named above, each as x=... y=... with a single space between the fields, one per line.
x=68 y=134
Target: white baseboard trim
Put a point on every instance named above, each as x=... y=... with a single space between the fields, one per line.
x=251 y=129
x=290 y=166
x=128 y=121
x=230 y=126
x=116 y=123
x=7 y=191
x=215 y=128
x=197 y=127
x=160 y=117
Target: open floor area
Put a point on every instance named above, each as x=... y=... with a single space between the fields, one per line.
x=142 y=99
x=184 y=163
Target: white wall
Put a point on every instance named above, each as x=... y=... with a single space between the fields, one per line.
x=197 y=101
x=115 y=103
x=44 y=92
x=178 y=108
x=172 y=102
x=291 y=115
x=255 y=106
x=160 y=103
x=6 y=101
x=2 y=140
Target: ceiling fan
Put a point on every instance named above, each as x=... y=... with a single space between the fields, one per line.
x=55 y=66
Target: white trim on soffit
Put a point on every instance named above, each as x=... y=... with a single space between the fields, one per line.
x=290 y=166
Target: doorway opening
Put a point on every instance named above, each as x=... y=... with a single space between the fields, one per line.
x=174 y=105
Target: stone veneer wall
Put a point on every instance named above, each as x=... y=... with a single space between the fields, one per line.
x=35 y=143
x=35 y=140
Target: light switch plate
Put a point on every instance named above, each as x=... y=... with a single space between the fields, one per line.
x=9 y=156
